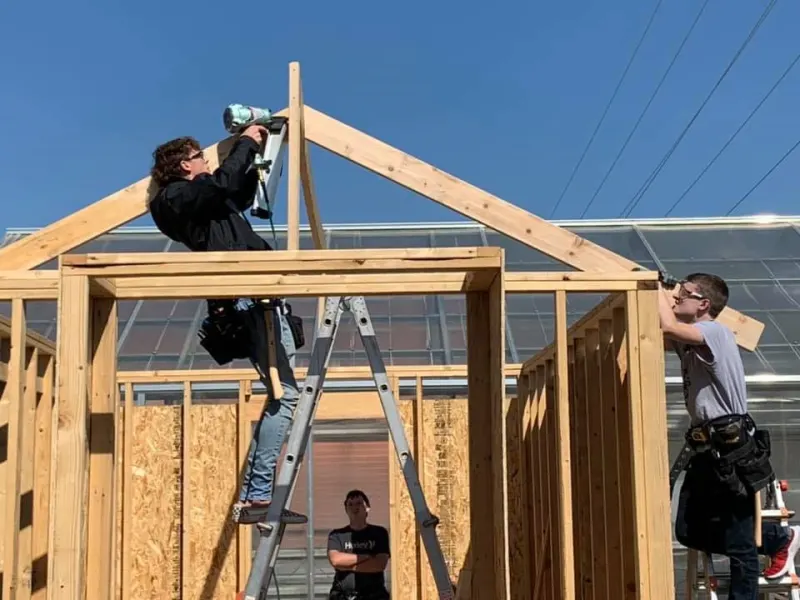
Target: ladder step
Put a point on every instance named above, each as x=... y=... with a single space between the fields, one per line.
x=785 y=584
x=777 y=514
x=249 y=515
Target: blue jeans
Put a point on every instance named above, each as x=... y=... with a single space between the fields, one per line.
x=270 y=432
x=712 y=519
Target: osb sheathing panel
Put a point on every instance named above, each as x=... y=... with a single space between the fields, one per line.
x=443 y=463
x=155 y=503
x=213 y=478
x=155 y=498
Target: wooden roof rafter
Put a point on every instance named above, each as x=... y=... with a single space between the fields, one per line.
x=307 y=124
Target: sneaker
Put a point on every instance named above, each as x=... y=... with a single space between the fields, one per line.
x=291 y=517
x=248 y=515
x=783 y=560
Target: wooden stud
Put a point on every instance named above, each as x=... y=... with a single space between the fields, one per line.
x=488 y=501
x=295 y=150
x=127 y=490
x=16 y=424
x=655 y=453
x=67 y=548
x=104 y=416
x=43 y=433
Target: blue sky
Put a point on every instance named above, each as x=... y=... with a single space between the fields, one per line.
x=504 y=95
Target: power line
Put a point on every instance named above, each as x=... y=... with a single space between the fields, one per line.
x=637 y=197
x=608 y=106
x=767 y=174
x=742 y=126
x=646 y=108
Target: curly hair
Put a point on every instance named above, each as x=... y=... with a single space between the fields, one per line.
x=168 y=156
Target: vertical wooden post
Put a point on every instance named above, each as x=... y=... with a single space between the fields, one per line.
x=16 y=419
x=42 y=473
x=635 y=436
x=295 y=147
x=655 y=454
x=487 y=442
x=126 y=562
x=563 y=468
x=26 y=463
x=611 y=436
x=67 y=547
x=583 y=489
x=625 y=450
x=186 y=495
x=244 y=543
x=103 y=419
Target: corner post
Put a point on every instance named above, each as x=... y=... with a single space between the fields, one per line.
x=67 y=544
x=487 y=442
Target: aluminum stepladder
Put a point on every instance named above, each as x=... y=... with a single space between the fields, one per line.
x=702 y=583
x=272 y=528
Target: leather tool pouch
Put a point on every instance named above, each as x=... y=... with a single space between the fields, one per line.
x=742 y=462
x=224 y=337
x=755 y=469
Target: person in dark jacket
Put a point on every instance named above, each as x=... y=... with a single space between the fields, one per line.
x=203 y=211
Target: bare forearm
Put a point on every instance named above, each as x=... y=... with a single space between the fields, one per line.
x=346 y=560
x=373 y=564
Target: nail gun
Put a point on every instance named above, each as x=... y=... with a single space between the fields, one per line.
x=269 y=161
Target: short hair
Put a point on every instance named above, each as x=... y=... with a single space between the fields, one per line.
x=356 y=494
x=713 y=288
x=168 y=156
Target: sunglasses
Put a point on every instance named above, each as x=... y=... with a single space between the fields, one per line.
x=684 y=294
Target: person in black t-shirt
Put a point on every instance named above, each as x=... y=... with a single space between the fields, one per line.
x=359 y=552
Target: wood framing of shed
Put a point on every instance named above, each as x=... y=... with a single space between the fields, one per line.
x=566 y=492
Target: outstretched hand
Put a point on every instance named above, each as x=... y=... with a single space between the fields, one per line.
x=257 y=133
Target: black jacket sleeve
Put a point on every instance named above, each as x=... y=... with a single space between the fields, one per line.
x=231 y=181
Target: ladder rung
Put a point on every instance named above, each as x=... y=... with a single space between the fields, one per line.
x=784 y=584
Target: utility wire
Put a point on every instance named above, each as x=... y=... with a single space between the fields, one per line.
x=637 y=197
x=767 y=174
x=646 y=108
x=735 y=133
x=608 y=106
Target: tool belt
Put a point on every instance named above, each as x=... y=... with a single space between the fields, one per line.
x=738 y=451
x=224 y=333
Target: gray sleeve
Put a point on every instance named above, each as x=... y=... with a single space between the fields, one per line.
x=715 y=337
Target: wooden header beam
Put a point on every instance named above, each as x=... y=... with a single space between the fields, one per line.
x=111 y=273
x=290 y=273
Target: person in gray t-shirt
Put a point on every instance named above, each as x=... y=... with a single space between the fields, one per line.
x=711 y=516
x=713 y=374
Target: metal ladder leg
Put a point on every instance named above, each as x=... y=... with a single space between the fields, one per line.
x=425 y=519
x=272 y=529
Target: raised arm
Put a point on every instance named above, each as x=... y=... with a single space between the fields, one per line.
x=673 y=329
